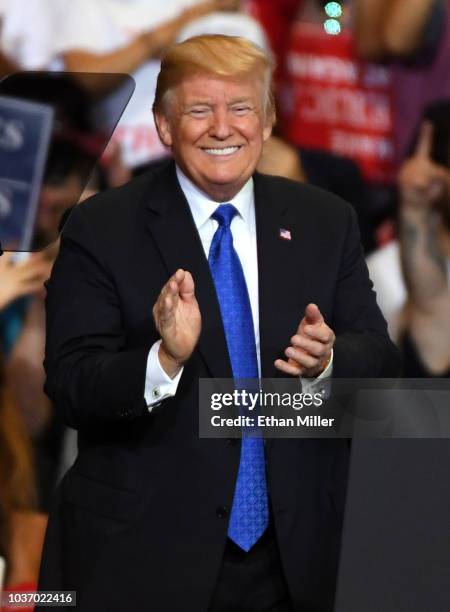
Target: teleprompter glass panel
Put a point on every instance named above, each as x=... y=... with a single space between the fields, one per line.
x=53 y=134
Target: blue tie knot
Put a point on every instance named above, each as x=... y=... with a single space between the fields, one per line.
x=224 y=214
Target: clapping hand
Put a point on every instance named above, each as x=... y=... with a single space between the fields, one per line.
x=178 y=320
x=310 y=351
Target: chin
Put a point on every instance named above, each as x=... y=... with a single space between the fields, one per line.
x=220 y=178
x=223 y=179
x=230 y=174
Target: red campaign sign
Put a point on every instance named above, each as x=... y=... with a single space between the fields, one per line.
x=276 y=17
x=335 y=102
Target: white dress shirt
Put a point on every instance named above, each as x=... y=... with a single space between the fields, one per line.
x=159 y=385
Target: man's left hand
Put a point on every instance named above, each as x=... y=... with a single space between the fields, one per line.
x=310 y=351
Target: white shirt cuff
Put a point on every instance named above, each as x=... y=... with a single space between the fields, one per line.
x=321 y=384
x=158 y=385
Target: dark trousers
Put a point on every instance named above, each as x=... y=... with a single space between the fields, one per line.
x=252 y=581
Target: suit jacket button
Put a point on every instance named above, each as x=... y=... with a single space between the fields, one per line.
x=222 y=512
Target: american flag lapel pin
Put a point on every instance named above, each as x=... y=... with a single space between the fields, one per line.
x=285 y=234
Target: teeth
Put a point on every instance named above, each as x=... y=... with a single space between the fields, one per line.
x=225 y=151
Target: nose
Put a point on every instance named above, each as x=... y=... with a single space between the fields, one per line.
x=220 y=126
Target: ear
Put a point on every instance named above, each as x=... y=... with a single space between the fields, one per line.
x=164 y=129
x=267 y=131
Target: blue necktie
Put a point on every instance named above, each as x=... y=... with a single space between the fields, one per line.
x=250 y=510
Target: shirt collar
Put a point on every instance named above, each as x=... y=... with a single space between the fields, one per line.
x=201 y=205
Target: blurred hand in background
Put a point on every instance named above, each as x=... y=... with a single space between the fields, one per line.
x=422 y=182
x=23 y=277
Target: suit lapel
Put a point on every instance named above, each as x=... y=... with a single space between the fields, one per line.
x=173 y=230
x=280 y=267
x=279 y=271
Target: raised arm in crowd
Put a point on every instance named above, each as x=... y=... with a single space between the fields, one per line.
x=391 y=27
x=145 y=46
x=425 y=250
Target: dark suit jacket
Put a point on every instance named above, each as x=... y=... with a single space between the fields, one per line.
x=140 y=521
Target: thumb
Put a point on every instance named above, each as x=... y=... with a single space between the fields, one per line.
x=425 y=141
x=187 y=287
x=313 y=314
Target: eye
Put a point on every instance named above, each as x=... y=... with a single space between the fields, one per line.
x=241 y=109
x=198 y=112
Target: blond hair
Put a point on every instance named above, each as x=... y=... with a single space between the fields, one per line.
x=219 y=56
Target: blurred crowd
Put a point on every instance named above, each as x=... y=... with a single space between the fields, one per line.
x=363 y=104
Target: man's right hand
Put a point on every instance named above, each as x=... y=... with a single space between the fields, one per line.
x=178 y=320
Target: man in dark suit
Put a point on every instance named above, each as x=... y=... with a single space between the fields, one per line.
x=247 y=275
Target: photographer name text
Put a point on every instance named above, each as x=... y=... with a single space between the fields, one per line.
x=271 y=421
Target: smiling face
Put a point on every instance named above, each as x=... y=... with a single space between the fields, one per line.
x=215 y=128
